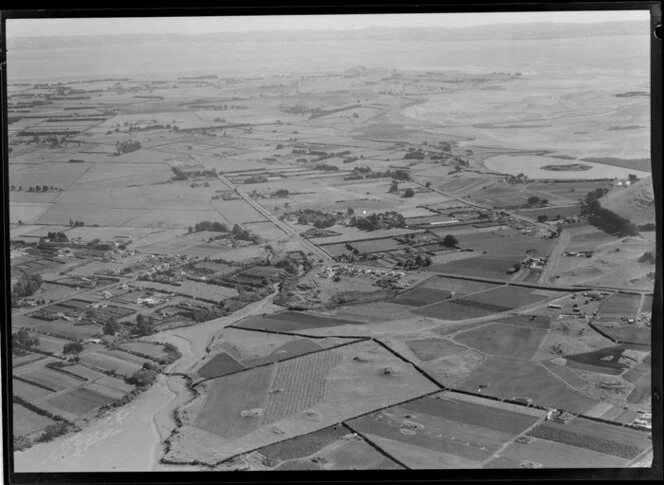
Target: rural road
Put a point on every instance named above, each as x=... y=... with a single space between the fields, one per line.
x=554 y=257
x=144 y=423
x=271 y=217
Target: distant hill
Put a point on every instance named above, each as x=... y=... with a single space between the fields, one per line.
x=527 y=31
x=636 y=202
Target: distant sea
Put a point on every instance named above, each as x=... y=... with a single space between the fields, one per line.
x=621 y=54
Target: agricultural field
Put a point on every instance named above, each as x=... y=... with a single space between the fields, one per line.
x=503 y=340
x=335 y=448
x=483 y=303
x=446 y=430
x=422 y=296
x=291 y=322
x=479 y=266
x=595 y=436
x=27 y=421
x=107 y=363
x=510 y=378
x=278 y=401
x=618 y=305
x=460 y=287
x=337 y=362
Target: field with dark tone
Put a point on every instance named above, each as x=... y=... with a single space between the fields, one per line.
x=220 y=365
x=608 y=360
x=639 y=336
x=291 y=322
x=421 y=296
x=595 y=436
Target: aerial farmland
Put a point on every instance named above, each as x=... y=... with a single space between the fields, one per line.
x=362 y=266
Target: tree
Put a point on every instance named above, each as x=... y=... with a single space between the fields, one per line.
x=144 y=326
x=632 y=177
x=23 y=341
x=111 y=327
x=72 y=348
x=409 y=192
x=534 y=200
x=542 y=218
x=450 y=241
x=45 y=188
x=428 y=185
x=394 y=188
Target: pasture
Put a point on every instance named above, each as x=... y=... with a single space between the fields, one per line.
x=230 y=395
x=479 y=266
x=460 y=287
x=508 y=378
x=459 y=433
x=421 y=296
x=503 y=340
x=25 y=421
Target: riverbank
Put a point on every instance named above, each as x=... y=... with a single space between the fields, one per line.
x=145 y=423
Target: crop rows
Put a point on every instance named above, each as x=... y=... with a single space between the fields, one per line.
x=584 y=441
x=298 y=384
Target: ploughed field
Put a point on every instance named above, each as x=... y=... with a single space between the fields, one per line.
x=484 y=303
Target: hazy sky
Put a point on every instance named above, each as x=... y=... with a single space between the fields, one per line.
x=200 y=25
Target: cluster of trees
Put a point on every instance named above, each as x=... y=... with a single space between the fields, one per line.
x=326 y=168
x=36 y=188
x=23 y=342
x=151 y=127
x=238 y=232
x=281 y=193
x=647 y=257
x=26 y=285
x=144 y=325
x=517 y=179
x=414 y=155
x=604 y=219
x=127 y=146
x=209 y=226
x=73 y=349
x=449 y=241
x=289 y=265
x=144 y=377
x=318 y=219
x=535 y=201
x=409 y=192
x=359 y=173
x=256 y=179
x=418 y=262
x=54 y=236
x=384 y=220
x=73 y=223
